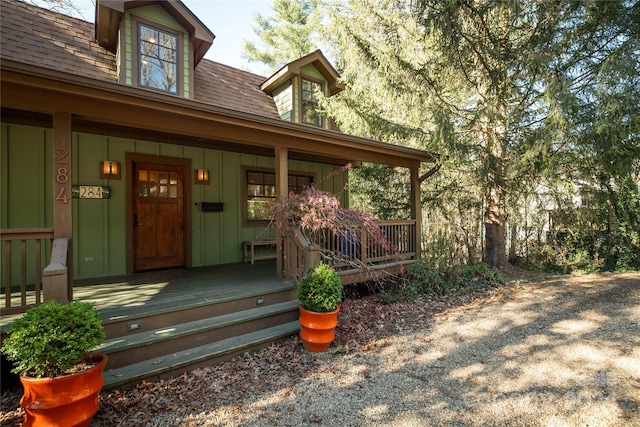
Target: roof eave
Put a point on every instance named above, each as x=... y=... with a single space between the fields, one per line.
x=109 y=14
x=191 y=108
x=318 y=60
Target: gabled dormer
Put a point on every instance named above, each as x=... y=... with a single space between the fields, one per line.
x=295 y=86
x=157 y=44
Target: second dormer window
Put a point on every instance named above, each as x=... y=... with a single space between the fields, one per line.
x=158 y=59
x=310 y=106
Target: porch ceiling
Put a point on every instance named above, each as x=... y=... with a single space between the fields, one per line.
x=96 y=104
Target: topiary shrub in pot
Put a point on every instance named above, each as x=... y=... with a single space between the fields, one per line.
x=319 y=293
x=49 y=347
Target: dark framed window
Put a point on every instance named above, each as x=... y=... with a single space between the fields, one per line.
x=260 y=187
x=310 y=110
x=158 y=59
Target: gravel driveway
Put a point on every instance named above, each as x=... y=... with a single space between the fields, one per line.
x=564 y=351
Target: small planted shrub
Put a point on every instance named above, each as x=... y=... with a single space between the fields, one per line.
x=473 y=277
x=423 y=278
x=52 y=338
x=320 y=290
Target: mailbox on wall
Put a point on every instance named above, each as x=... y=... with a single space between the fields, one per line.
x=211 y=206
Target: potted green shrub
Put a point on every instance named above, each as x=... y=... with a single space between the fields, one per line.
x=319 y=293
x=50 y=349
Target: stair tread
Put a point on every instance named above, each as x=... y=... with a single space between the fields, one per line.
x=159 y=365
x=114 y=314
x=153 y=336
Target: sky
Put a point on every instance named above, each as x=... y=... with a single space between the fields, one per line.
x=230 y=20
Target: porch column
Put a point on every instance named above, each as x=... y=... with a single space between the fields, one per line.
x=59 y=286
x=416 y=208
x=282 y=187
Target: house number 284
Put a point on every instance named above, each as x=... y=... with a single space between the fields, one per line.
x=62 y=174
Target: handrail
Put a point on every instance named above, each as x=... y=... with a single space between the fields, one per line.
x=299 y=255
x=27 y=297
x=349 y=250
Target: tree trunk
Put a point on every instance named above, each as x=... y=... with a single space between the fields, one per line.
x=495 y=220
x=495 y=211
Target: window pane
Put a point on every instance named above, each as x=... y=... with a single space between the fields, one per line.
x=269 y=178
x=304 y=182
x=173 y=178
x=259 y=209
x=153 y=187
x=310 y=108
x=173 y=192
x=143 y=177
x=158 y=61
x=255 y=178
x=254 y=190
x=261 y=192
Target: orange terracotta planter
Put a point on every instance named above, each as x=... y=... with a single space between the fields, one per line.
x=317 y=329
x=71 y=400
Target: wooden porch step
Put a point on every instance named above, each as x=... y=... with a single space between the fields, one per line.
x=209 y=354
x=185 y=307
x=137 y=347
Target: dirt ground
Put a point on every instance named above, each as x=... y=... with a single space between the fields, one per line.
x=537 y=351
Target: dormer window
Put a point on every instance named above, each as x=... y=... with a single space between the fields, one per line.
x=310 y=108
x=158 y=63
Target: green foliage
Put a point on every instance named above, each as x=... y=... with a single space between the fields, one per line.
x=52 y=338
x=285 y=36
x=381 y=190
x=320 y=290
x=514 y=95
x=424 y=278
x=472 y=277
x=601 y=234
x=520 y=98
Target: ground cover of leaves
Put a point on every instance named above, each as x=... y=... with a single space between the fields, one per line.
x=534 y=351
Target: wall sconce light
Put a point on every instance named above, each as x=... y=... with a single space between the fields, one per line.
x=109 y=170
x=202 y=176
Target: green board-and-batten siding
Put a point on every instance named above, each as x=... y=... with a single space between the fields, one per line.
x=99 y=227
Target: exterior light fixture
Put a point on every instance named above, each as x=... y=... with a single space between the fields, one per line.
x=202 y=176
x=109 y=170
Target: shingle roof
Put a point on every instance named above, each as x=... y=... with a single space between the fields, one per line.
x=40 y=37
x=232 y=88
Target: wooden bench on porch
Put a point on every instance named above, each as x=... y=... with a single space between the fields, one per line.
x=249 y=249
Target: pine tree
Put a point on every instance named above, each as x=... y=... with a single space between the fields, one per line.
x=285 y=36
x=497 y=87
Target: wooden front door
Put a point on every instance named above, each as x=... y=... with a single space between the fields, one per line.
x=158 y=216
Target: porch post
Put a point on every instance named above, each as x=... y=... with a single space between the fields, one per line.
x=282 y=186
x=416 y=208
x=57 y=287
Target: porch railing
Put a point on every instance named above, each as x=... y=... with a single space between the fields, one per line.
x=299 y=254
x=26 y=249
x=350 y=249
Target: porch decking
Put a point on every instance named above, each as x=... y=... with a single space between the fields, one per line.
x=153 y=292
x=139 y=294
x=161 y=323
